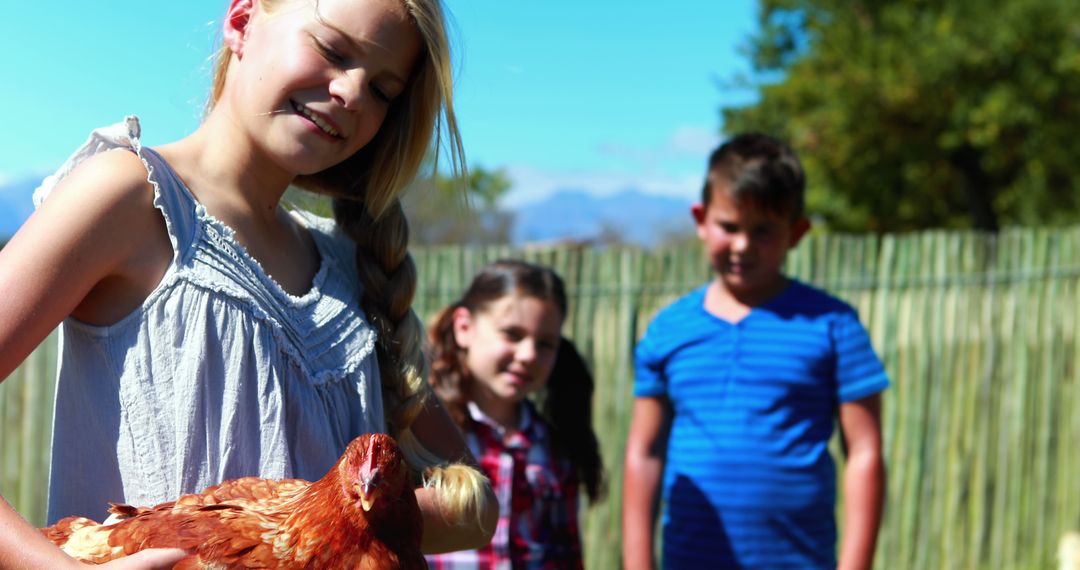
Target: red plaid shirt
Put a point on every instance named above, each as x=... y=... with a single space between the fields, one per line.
x=538 y=500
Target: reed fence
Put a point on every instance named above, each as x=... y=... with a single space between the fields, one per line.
x=978 y=333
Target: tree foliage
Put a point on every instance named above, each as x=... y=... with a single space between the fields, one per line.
x=441 y=209
x=912 y=113
x=444 y=209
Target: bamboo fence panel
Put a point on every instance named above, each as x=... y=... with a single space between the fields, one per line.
x=978 y=333
x=26 y=410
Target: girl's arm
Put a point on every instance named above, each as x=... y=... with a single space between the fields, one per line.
x=646 y=450
x=22 y=547
x=442 y=531
x=76 y=255
x=864 y=482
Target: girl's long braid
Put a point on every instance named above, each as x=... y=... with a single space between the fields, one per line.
x=388 y=276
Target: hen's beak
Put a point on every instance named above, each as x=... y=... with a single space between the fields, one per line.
x=368 y=490
x=364 y=491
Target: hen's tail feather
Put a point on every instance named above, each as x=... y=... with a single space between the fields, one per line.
x=60 y=532
x=460 y=487
x=82 y=538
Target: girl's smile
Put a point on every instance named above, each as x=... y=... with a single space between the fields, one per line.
x=323 y=124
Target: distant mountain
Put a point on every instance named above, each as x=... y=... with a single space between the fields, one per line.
x=636 y=217
x=16 y=204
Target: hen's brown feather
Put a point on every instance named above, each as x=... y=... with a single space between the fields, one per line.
x=259 y=523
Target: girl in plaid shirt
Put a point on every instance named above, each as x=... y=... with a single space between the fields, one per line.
x=492 y=349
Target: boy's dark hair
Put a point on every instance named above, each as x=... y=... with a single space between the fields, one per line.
x=760 y=169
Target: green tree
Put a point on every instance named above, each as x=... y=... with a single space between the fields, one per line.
x=444 y=209
x=915 y=113
x=440 y=208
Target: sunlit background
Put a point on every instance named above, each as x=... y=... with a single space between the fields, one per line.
x=594 y=98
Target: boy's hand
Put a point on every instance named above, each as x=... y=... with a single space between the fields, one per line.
x=646 y=451
x=864 y=482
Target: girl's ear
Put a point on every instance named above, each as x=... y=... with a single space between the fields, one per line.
x=237 y=19
x=463 y=327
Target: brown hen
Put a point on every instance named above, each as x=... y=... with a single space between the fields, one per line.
x=362 y=515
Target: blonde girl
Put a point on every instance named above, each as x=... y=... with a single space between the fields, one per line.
x=208 y=333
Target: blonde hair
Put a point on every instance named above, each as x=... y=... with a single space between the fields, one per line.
x=366 y=188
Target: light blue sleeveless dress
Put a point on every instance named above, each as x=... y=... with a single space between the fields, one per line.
x=219 y=374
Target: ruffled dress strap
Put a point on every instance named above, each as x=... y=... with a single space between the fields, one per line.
x=171 y=197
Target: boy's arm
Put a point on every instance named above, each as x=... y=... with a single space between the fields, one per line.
x=646 y=449
x=864 y=481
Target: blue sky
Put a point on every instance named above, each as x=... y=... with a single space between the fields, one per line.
x=597 y=95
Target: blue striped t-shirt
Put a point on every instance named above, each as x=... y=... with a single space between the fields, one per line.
x=748 y=479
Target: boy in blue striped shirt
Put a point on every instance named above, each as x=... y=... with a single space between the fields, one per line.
x=737 y=388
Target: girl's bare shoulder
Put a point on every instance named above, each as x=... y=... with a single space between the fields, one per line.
x=114 y=180
x=106 y=198
x=101 y=218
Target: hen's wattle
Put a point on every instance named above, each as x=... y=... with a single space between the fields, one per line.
x=362 y=514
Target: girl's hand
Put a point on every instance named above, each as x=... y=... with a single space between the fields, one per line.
x=437 y=433
x=152 y=559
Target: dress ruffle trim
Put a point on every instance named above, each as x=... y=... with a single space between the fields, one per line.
x=122 y=135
